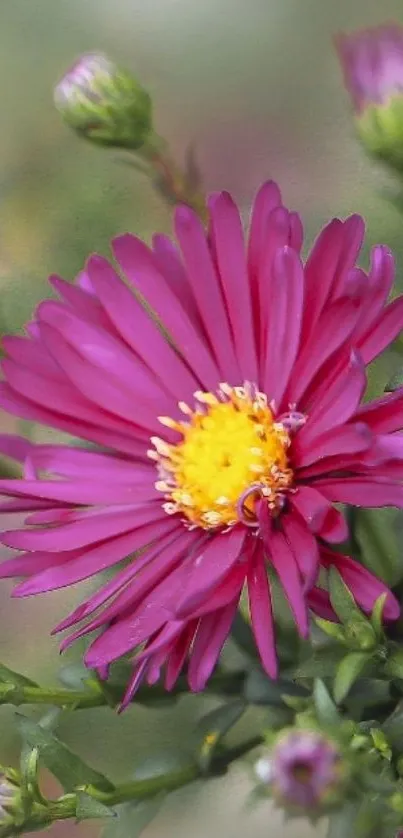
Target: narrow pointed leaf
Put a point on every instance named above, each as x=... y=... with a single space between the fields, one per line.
x=67 y=767
x=347 y=673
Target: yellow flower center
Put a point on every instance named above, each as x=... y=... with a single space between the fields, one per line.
x=231 y=453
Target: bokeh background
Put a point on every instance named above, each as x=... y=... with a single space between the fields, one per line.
x=256 y=85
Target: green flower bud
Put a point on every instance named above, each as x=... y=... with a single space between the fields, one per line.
x=360 y=635
x=372 y=63
x=104 y=103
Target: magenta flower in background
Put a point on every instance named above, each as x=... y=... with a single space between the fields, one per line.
x=305 y=768
x=225 y=436
x=372 y=61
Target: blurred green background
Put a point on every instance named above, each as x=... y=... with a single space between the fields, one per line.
x=256 y=85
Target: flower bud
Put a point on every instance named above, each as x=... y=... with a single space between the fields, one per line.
x=104 y=103
x=305 y=769
x=372 y=63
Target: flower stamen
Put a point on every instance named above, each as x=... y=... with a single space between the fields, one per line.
x=232 y=453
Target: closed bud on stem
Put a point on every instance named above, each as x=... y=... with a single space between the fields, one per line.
x=104 y=103
x=372 y=63
x=303 y=771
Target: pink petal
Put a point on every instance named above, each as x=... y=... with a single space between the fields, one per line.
x=353 y=236
x=336 y=325
x=81 y=492
x=267 y=199
x=178 y=655
x=284 y=563
x=320 y=270
x=383 y=332
x=231 y=259
x=339 y=404
x=346 y=439
x=157 y=608
x=228 y=590
x=139 y=266
x=32 y=355
x=16 y=447
x=140 y=332
x=380 y=282
x=92 y=561
x=82 y=302
x=319 y=602
x=383 y=415
x=105 y=524
x=262 y=613
x=211 y=635
x=277 y=237
x=304 y=546
x=365 y=587
x=311 y=505
x=78 y=463
x=19 y=406
x=208 y=567
x=168 y=263
x=89 y=358
x=368 y=491
x=335 y=528
x=285 y=323
x=206 y=289
x=145 y=570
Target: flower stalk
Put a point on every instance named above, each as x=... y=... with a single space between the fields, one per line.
x=66 y=807
x=99 y=695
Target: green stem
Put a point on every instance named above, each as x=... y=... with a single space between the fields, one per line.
x=173 y=183
x=228 y=683
x=143 y=789
x=66 y=807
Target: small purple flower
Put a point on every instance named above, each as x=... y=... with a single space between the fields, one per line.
x=305 y=768
x=8 y=795
x=372 y=63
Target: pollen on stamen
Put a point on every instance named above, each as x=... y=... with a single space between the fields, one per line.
x=168 y=422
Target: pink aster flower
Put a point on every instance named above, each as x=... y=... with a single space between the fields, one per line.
x=222 y=386
x=372 y=61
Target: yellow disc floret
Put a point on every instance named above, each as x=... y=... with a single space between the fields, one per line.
x=231 y=452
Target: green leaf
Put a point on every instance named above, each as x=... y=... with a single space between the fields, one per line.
x=10 y=677
x=132 y=818
x=67 y=767
x=342 y=823
x=395 y=382
x=213 y=728
x=87 y=807
x=347 y=673
x=322 y=664
x=326 y=709
x=377 y=616
x=261 y=690
x=333 y=630
x=393 y=728
x=377 y=533
x=243 y=637
x=368 y=692
x=74 y=676
x=222 y=719
x=342 y=600
x=394 y=664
